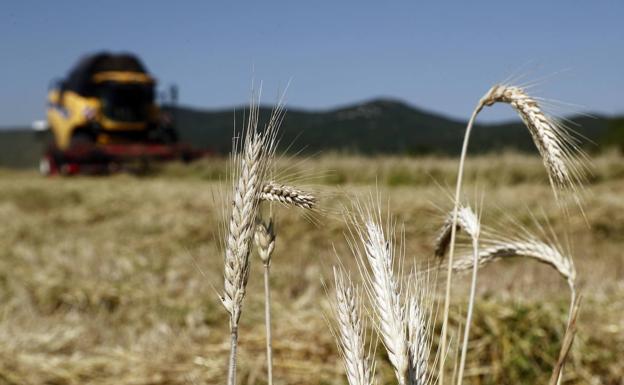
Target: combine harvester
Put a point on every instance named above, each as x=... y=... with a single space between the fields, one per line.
x=104 y=118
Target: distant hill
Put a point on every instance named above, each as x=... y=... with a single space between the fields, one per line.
x=377 y=126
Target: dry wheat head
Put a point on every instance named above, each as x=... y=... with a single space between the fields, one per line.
x=264 y=238
x=287 y=195
x=250 y=167
x=386 y=297
x=351 y=332
x=466 y=221
x=531 y=248
x=562 y=157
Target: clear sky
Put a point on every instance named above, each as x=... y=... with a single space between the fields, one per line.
x=435 y=55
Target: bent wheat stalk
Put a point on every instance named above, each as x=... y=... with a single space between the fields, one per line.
x=561 y=157
x=531 y=248
x=566 y=346
x=556 y=145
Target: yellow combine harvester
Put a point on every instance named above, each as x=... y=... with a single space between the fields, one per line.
x=103 y=116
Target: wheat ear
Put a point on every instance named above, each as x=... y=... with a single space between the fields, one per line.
x=560 y=154
x=557 y=147
x=250 y=169
x=351 y=331
x=265 y=244
x=471 y=224
x=402 y=318
x=401 y=308
x=531 y=248
x=264 y=238
x=467 y=221
x=288 y=195
x=385 y=294
x=419 y=325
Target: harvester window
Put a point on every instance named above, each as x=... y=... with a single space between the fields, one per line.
x=126 y=102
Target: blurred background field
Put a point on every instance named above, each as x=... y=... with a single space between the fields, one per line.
x=111 y=280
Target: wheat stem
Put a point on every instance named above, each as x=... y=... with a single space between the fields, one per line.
x=449 y=273
x=568 y=340
x=232 y=361
x=471 y=301
x=264 y=237
x=267 y=322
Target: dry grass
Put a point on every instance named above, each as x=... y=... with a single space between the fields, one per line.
x=105 y=280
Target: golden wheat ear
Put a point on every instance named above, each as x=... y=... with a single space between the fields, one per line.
x=350 y=332
x=287 y=195
x=401 y=312
x=531 y=248
x=251 y=159
x=564 y=160
x=467 y=221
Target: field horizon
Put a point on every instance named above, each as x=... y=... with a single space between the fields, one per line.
x=369 y=127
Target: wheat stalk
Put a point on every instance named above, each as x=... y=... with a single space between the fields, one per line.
x=250 y=170
x=288 y=195
x=561 y=156
x=265 y=242
x=351 y=332
x=566 y=346
x=264 y=238
x=530 y=248
x=470 y=223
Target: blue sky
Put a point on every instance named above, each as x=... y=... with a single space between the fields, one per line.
x=435 y=55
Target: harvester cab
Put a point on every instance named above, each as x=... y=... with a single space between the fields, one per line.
x=104 y=115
